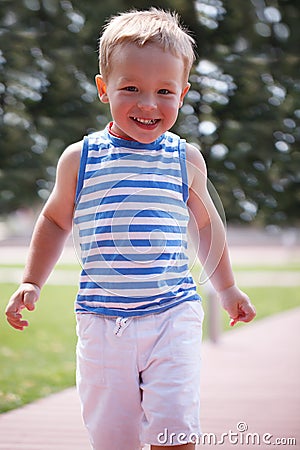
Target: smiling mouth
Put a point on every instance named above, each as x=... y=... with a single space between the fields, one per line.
x=145 y=121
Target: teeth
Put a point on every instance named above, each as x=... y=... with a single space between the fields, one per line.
x=145 y=121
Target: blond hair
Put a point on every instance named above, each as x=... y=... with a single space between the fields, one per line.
x=153 y=26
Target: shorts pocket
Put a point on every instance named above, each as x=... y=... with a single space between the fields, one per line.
x=196 y=309
x=89 y=351
x=186 y=330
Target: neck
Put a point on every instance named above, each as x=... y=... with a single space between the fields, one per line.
x=116 y=134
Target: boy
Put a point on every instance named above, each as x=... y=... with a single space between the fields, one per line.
x=130 y=191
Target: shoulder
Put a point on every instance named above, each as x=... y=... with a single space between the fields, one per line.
x=196 y=166
x=59 y=207
x=195 y=157
x=72 y=153
x=68 y=166
x=70 y=159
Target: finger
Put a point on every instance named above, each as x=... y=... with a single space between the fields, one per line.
x=29 y=300
x=248 y=313
x=14 y=306
x=245 y=314
x=233 y=322
x=247 y=317
x=19 y=326
x=16 y=321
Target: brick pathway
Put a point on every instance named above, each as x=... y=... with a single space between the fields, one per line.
x=252 y=378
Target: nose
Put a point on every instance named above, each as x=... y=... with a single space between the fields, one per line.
x=147 y=102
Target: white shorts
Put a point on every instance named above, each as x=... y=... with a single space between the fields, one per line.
x=139 y=379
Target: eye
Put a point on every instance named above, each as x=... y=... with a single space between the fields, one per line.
x=164 y=91
x=130 y=89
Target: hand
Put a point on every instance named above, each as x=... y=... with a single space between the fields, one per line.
x=237 y=304
x=24 y=297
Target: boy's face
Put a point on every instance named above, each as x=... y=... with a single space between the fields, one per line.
x=145 y=88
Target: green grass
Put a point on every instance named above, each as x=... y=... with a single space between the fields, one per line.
x=41 y=359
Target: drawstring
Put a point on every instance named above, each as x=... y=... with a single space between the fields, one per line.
x=121 y=324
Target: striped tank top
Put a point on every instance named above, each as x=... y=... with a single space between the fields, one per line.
x=130 y=226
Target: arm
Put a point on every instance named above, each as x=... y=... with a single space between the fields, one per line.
x=51 y=230
x=208 y=234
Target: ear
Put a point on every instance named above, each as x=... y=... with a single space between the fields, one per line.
x=184 y=91
x=101 y=88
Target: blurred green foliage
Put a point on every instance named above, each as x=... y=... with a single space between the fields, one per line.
x=243 y=108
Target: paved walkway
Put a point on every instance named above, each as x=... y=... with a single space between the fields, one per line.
x=250 y=380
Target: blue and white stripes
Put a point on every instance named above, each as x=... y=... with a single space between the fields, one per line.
x=130 y=223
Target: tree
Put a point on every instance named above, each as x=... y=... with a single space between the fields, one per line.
x=242 y=108
x=48 y=98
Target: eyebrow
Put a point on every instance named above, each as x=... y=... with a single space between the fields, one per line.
x=126 y=80
x=169 y=83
